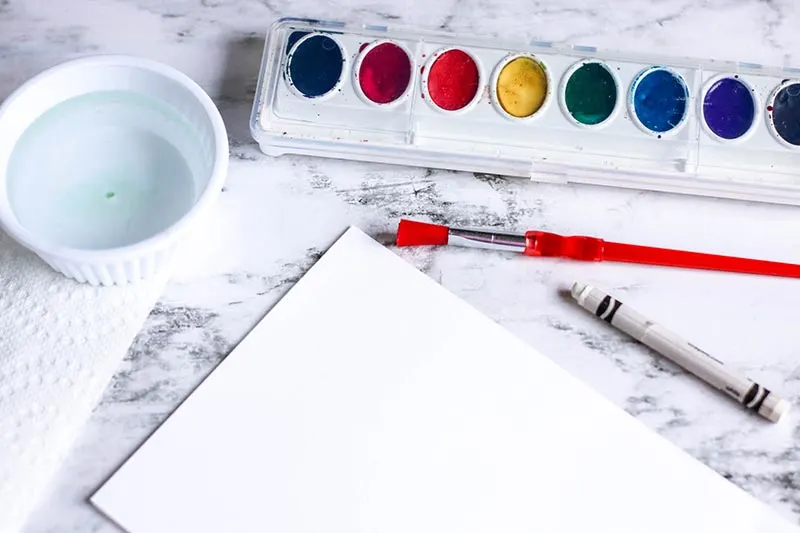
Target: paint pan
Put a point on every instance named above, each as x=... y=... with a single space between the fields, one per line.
x=383 y=73
x=315 y=65
x=520 y=86
x=589 y=94
x=659 y=100
x=728 y=108
x=453 y=80
x=443 y=100
x=783 y=113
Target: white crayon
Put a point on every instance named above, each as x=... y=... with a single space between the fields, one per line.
x=683 y=353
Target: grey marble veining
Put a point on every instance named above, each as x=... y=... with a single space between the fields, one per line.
x=277 y=216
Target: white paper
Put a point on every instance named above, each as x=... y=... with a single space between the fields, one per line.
x=372 y=400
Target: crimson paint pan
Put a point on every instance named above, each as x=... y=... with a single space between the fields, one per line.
x=383 y=73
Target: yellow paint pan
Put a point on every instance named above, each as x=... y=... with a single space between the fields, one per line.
x=521 y=86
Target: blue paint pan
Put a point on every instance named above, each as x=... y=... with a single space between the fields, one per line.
x=659 y=100
x=783 y=113
x=315 y=65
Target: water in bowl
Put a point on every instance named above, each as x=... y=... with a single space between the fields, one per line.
x=102 y=170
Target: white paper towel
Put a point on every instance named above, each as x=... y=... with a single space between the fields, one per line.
x=60 y=342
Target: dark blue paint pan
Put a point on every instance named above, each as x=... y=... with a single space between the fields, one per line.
x=315 y=65
x=783 y=113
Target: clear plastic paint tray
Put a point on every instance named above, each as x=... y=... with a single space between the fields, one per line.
x=552 y=113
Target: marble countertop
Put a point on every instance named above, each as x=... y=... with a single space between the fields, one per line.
x=277 y=216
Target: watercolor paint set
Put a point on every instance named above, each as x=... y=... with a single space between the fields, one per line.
x=548 y=112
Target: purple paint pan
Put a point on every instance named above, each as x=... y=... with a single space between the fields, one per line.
x=728 y=107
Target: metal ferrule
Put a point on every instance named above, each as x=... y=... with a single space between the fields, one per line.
x=486 y=239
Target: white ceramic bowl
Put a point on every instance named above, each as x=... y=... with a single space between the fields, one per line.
x=105 y=163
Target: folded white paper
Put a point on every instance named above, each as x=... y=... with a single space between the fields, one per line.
x=372 y=400
x=60 y=342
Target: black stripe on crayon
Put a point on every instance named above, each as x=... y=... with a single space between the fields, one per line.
x=750 y=394
x=603 y=306
x=733 y=392
x=617 y=305
x=757 y=406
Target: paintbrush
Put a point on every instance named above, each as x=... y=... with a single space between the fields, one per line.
x=544 y=244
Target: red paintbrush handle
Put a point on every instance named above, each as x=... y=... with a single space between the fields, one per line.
x=630 y=253
x=544 y=244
